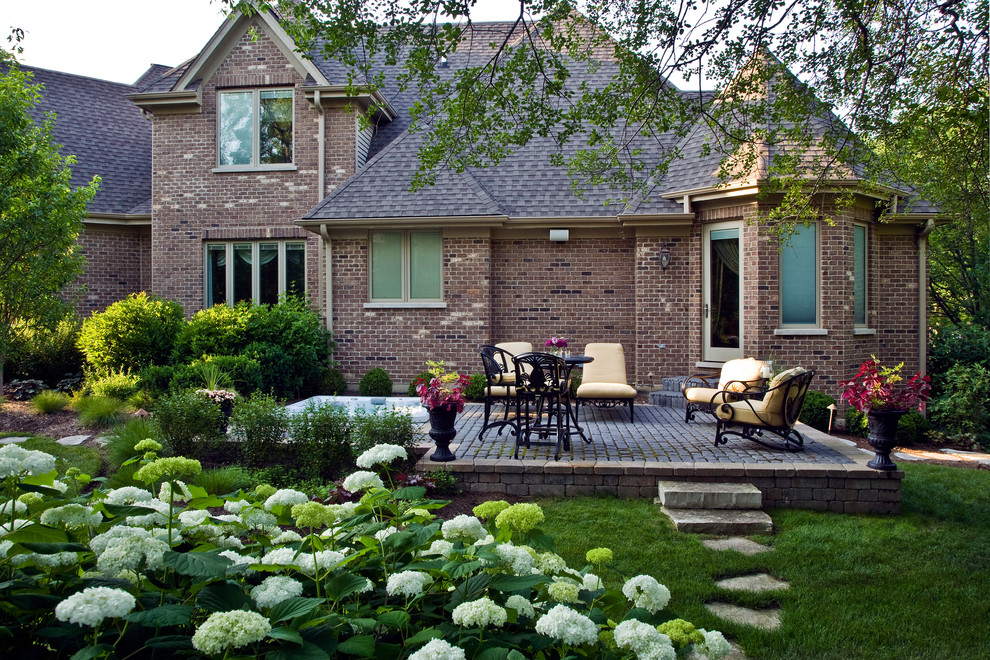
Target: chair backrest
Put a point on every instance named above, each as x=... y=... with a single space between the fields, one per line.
x=540 y=373
x=609 y=365
x=737 y=372
x=496 y=362
x=515 y=347
x=786 y=393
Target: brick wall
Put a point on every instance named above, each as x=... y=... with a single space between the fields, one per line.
x=667 y=304
x=118 y=263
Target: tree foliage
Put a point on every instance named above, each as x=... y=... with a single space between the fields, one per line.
x=41 y=213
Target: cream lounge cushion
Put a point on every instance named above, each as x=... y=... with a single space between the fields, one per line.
x=516 y=347
x=736 y=376
x=501 y=391
x=605 y=377
x=769 y=411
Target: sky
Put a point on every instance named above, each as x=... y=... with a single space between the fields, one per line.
x=119 y=39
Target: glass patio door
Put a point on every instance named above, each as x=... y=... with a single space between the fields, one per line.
x=722 y=275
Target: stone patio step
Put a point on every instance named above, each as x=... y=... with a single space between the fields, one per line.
x=701 y=495
x=725 y=522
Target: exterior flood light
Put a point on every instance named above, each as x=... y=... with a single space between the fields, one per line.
x=559 y=235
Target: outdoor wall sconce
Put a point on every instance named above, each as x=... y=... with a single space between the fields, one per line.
x=664 y=258
x=559 y=235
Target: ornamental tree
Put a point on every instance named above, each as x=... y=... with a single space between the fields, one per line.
x=41 y=213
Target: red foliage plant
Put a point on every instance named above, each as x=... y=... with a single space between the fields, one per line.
x=445 y=389
x=880 y=388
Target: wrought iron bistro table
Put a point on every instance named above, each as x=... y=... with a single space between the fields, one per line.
x=572 y=422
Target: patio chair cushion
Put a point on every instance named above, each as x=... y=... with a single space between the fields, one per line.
x=515 y=347
x=740 y=374
x=605 y=378
x=707 y=394
x=606 y=391
x=504 y=378
x=769 y=411
x=775 y=399
x=500 y=391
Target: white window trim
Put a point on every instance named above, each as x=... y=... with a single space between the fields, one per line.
x=255 y=273
x=256 y=164
x=803 y=328
x=406 y=301
x=865 y=325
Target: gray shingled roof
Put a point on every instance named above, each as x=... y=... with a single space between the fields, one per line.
x=107 y=134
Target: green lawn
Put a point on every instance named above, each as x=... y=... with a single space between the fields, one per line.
x=915 y=585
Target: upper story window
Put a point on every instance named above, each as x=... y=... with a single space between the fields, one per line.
x=406 y=266
x=859 y=275
x=799 y=278
x=255 y=128
x=258 y=271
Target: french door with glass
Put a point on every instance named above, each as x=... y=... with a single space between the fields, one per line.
x=722 y=285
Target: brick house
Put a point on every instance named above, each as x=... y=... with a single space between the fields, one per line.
x=261 y=182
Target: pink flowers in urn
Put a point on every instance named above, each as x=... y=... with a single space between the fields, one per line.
x=881 y=388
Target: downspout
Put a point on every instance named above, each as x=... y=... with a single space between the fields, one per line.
x=923 y=293
x=325 y=246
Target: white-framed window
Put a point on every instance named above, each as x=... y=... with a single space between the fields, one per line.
x=859 y=275
x=799 y=286
x=254 y=128
x=258 y=271
x=406 y=266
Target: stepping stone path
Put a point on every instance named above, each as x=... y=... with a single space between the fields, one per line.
x=737 y=543
x=12 y=440
x=768 y=619
x=763 y=619
x=754 y=583
x=72 y=440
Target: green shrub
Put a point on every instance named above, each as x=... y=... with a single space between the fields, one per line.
x=952 y=345
x=375 y=383
x=120 y=444
x=156 y=380
x=476 y=389
x=381 y=427
x=219 y=330
x=421 y=378
x=444 y=482
x=856 y=423
x=912 y=428
x=320 y=440
x=223 y=480
x=962 y=410
x=132 y=333
x=100 y=411
x=260 y=423
x=23 y=390
x=279 y=374
x=46 y=354
x=119 y=385
x=49 y=402
x=334 y=382
x=246 y=374
x=815 y=412
x=187 y=424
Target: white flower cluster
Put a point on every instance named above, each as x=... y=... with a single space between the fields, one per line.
x=438 y=649
x=90 y=606
x=362 y=480
x=564 y=590
x=130 y=553
x=259 y=520
x=715 y=645
x=644 y=591
x=128 y=495
x=18 y=507
x=568 y=626
x=549 y=563
x=240 y=561
x=276 y=589
x=224 y=630
x=49 y=562
x=217 y=396
x=157 y=516
x=287 y=536
x=16 y=461
x=439 y=548
x=383 y=454
x=463 y=528
x=521 y=605
x=286 y=497
x=644 y=640
x=407 y=583
x=592 y=582
x=280 y=557
x=192 y=517
x=517 y=558
x=165 y=492
x=480 y=613
x=235 y=506
x=324 y=560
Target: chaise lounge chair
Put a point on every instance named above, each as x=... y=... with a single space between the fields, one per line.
x=776 y=412
x=603 y=382
x=702 y=393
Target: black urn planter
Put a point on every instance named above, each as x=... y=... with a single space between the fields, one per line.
x=442 y=431
x=883 y=437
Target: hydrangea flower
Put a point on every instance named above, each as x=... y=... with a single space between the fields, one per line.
x=715 y=645
x=168 y=468
x=564 y=590
x=129 y=553
x=240 y=561
x=490 y=510
x=156 y=519
x=325 y=560
x=382 y=454
x=549 y=563
x=72 y=516
x=48 y=562
x=259 y=520
x=480 y=613
x=463 y=528
x=192 y=518
x=568 y=626
x=599 y=556
x=235 y=506
x=362 y=480
x=128 y=495
x=285 y=497
x=592 y=582
x=16 y=461
x=280 y=557
x=314 y=514
x=147 y=445
x=439 y=548
x=276 y=589
x=181 y=494
x=265 y=490
x=438 y=649
x=18 y=507
x=287 y=536
x=5 y=547
x=681 y=632
x=644 y=640
x=520 y=517
x=223 y=630
x=518 y=559
x=644 y=591
x=407 y=583
x=91 y=606
x=30 y=499
x=521 y=605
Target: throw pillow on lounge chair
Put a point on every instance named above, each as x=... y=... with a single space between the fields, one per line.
x=736 y=376
x=603 y=382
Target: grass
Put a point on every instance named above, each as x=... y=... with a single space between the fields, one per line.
x=100 y=411
x=50 y=401
x=223 y=480
x=862 y=586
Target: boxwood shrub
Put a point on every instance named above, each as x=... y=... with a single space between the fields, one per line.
x=131 y=334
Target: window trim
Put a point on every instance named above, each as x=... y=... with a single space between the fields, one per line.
x=789 y=328
x=255 y=164
x=255 y=273
x=406 y=300
x=866 y=276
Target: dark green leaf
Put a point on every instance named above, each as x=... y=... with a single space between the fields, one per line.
x=362 y=646
x=53 y=548
x=494 y=653
x=37 y=533
x=424 y=636
x=510 y=583
x=460 y=569
x=305 y=652
x=161 y=617
x=200 y=565
x=410 y=493
x=293 y=607
x=394 y=619
x=170 y=642
x=222 y=597
x=118 y=510
x=286 y=634
x=92 y=652
x=44 y=490
x=343 y=585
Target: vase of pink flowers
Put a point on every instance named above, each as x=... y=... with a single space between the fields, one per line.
x=883 y=396
x=556 y=345
x=443 y=398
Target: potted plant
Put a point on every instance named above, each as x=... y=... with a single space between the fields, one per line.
x=443 y=398
x=883 y=396
x=556 y=345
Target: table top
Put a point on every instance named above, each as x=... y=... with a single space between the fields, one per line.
x=577 y=359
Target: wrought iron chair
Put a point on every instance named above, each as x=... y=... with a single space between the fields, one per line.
x=701 y=391
x=776 y=412
x=542 y=401
x=500 y=380
x=603 y=382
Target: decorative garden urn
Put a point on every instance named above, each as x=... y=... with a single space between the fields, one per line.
x=883 y=437
x=442 y=431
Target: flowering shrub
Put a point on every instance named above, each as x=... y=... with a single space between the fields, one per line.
x=880 y=388
x=266 y=572
x=218 y=397
x=445 y=389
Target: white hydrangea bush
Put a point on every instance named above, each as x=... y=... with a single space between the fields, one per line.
x=266 y=571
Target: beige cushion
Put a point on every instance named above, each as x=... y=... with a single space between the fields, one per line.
x=609 y=365
x=516 y=347
x=747 y=370
x=757 y=415
x=500 y=391
x=505 y=378
x=705 y=395
x=775 y=399
x=606 y=391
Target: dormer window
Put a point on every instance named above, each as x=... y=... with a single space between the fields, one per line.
x=254 y=129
